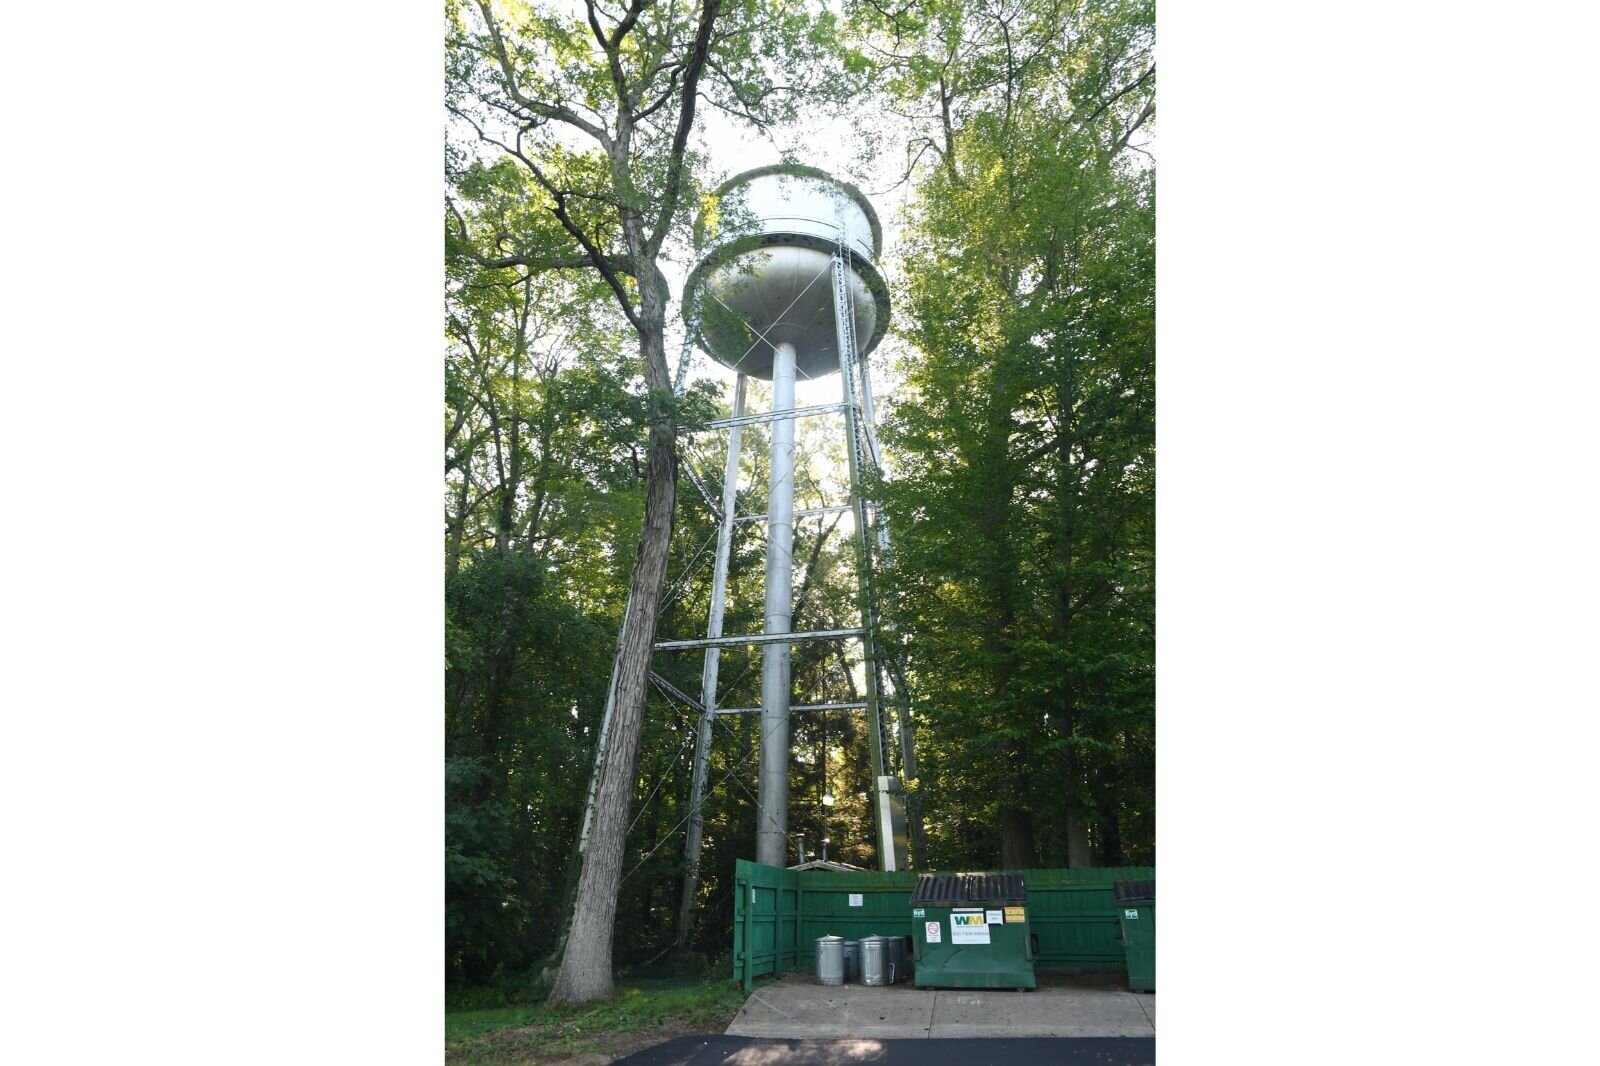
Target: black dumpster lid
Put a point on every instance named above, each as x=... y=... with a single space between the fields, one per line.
x=949 y=890
x=1129 y=891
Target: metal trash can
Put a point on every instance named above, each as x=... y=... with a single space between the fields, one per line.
x=897 y=959
x=830 y=960
x=852 y=960
x=874 y=960
x=1136 y=913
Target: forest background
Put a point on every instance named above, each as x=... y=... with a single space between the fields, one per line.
x=1008 y=146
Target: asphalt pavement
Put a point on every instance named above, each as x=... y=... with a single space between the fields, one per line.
x=957 y=1051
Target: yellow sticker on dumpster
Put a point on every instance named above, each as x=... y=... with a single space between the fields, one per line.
x=1015 y=914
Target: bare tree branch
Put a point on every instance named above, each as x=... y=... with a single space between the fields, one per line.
x=1119 y=94
x=1122 y=142
x=609 y=268
x=680 y=140
x=538 y=107
x=532 y=265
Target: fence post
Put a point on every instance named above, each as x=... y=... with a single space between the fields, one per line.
x=739 y=908
x=799 y=920
x=749 y=954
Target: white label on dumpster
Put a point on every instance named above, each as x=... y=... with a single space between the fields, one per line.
x=994 y=917
x=855 y=899
x=1131 y=913
x=968 y=927
x=935 y=932
x=919 y=913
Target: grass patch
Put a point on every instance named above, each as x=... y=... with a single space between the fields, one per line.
x=642 y=1012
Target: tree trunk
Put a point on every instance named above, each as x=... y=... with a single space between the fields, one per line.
x=1016 y=839
x=452 y=559
x=999 y=581
x=541 y=484
x=1078 y=856
x=585 y=972
x=1064 y=714
x=1110 y=841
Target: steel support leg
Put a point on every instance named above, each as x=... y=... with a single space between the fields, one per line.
x=708 y=672
x=844 y=325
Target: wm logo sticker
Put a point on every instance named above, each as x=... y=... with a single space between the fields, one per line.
x=966 y=919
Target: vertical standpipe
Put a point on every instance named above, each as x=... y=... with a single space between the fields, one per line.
x=773 y=788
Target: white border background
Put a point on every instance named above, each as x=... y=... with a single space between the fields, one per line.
x=1376 y=499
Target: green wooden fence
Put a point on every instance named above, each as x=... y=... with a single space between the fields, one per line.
x=778 y=914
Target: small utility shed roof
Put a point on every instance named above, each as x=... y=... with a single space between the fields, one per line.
x=828 y=864
x=953 y=890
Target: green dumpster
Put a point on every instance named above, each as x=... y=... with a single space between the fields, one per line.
x=971 y=931
x=1136 y=909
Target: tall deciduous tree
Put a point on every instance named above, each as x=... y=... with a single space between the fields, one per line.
x=1028 y=420
x=596 y=103
x=540 y=412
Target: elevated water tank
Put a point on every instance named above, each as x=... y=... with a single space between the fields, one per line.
x=766 y=240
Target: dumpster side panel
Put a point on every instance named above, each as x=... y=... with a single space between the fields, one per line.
x=1075 y=914
x=1139 y=935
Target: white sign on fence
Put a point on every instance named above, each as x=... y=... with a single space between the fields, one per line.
x=855 y=899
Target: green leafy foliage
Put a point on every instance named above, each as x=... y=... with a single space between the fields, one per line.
x=1023 y=442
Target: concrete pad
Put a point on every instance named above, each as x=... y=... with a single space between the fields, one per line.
x=797 y=1008
x=800 y=1009
x=1042 y=1012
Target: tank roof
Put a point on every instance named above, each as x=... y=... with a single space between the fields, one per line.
x=798 y=170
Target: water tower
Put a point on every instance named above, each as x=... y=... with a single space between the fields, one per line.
x=787 y=285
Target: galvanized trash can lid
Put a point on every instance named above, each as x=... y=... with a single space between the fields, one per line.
x=953 y=890
x=1135 y=891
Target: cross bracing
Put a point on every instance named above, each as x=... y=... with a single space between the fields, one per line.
x=884 y=675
